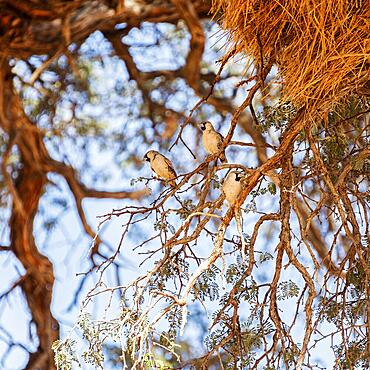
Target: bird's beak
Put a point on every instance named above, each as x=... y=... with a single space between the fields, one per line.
x=146 y=158
x=203 y=126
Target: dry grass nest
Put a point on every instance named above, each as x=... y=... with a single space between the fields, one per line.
x=321 y=47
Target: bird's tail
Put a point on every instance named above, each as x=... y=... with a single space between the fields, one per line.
x=239 y=226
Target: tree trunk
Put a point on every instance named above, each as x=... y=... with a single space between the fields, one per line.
x=26 y=193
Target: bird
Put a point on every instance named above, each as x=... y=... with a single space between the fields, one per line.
x=212 y=140
x=232 y=186
x=161 y=166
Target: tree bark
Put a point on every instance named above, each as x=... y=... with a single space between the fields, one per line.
x=27 y=190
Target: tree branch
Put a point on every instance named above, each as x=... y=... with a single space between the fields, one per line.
x=41 y=30
x=191 y=69
x=29 y=186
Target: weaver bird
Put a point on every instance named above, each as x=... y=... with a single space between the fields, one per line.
x=212 y=140
x=232 y=186
x=161 y=166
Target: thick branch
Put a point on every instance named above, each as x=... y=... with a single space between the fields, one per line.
x=40 y=28
x=29 y=187
x=80 y=191
x=194 y=58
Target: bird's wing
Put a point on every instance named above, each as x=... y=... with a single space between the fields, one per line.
x=220 y=141
x=170 y=166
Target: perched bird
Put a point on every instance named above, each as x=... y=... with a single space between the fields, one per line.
x=232 y=186
x=161 y=166
x=212 y=140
